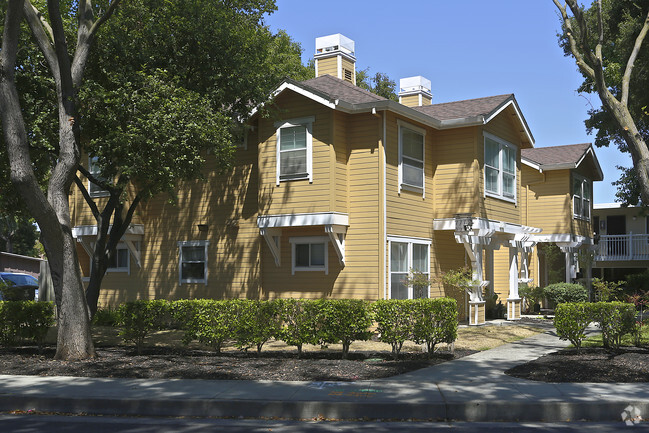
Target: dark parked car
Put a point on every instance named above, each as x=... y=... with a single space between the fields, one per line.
x=17 y=287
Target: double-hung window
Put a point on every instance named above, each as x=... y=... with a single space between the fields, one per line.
x=193 y=261
x=406 y=255
x=411 y=157
x=499 y=168
x=93 y=167
x=580 y=197
x=310 y=253
x=294 y=149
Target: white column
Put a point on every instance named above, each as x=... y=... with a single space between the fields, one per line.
x=513 y=273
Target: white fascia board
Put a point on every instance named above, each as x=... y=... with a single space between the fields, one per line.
x=521 y=119
x=91 y=230
x=291 y=86
x=609 y=206
x=303 y=219
x=597 y=166
x=532 y=164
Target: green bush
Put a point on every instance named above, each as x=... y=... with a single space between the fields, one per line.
x=615 y=320
x=560 y=293
x=394 y=322
x=571 y=321
x=209 y=321
x=637 y=282
x=532 y=294
x=25 y=320
x=434 y=321
x=106 y=317
x=139 y=318
x=299 y=319
x=608 y=290
x=256 y=322
x=345 y=321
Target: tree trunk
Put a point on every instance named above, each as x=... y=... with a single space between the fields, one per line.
x=52 y=213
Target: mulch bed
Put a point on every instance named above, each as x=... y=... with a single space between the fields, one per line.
x=627 y=364
x=165 y=363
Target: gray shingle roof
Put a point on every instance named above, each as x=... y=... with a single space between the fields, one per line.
x=553 y=155
x=462 y=109
x=336 y=88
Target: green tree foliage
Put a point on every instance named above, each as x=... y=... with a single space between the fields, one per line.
x=608 y=42
x=18 y=235
x=169 y=83
x=379 y=84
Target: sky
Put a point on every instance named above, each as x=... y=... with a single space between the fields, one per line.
x=468 y=49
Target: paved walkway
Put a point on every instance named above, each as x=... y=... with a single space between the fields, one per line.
x=472 y=388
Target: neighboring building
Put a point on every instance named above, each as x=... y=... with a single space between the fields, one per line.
x=20 y=264
x=340 y=193
x=622 y=235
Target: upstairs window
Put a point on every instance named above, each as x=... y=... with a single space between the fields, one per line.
x=193 y=261
x=294 y=148
x=499 y=168
x=93 y=167
x=581 y=197
x=411 y=157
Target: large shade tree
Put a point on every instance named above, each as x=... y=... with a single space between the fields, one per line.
x=66 y=64
x=50 y=58
x=187 y=74
x=608 y=43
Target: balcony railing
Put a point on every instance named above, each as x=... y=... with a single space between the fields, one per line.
x=622 y=247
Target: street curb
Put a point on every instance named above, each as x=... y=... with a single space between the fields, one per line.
x=472 y=411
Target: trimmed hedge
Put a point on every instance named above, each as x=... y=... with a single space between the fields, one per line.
x=139 y=318
x=615 y=319
x=429 y=321
x=25 y=320
x=251 y=323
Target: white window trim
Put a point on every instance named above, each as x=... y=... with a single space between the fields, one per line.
x=180 y=261
x=307 y=122
x=403 y=186
x=100 y=193
x=294 y=240
x=122 y=246
x=410 y=241
x=503 y=143
x=582 y=181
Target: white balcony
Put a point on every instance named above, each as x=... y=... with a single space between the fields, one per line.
x=622 y=247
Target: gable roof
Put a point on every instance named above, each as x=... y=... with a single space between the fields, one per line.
x=560 y=157
x=466 y=108
x=342 y=95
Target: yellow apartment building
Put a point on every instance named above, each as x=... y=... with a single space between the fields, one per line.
x=338 y=192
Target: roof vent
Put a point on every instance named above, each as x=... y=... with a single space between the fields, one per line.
x=415 y=91
x=335 y=55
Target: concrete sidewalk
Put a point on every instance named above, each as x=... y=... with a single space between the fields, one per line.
x=472 y=388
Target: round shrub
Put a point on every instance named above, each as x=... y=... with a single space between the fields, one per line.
x=561 y=293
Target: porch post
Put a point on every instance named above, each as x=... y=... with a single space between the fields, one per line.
x=513 y=300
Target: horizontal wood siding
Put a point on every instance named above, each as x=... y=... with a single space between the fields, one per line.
x=455 y=186
x=356 y=192
x=328 y=66
x=410 y=100
x=341 y=177
x=549 y=205
x=227 y=203
x=296 y=196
